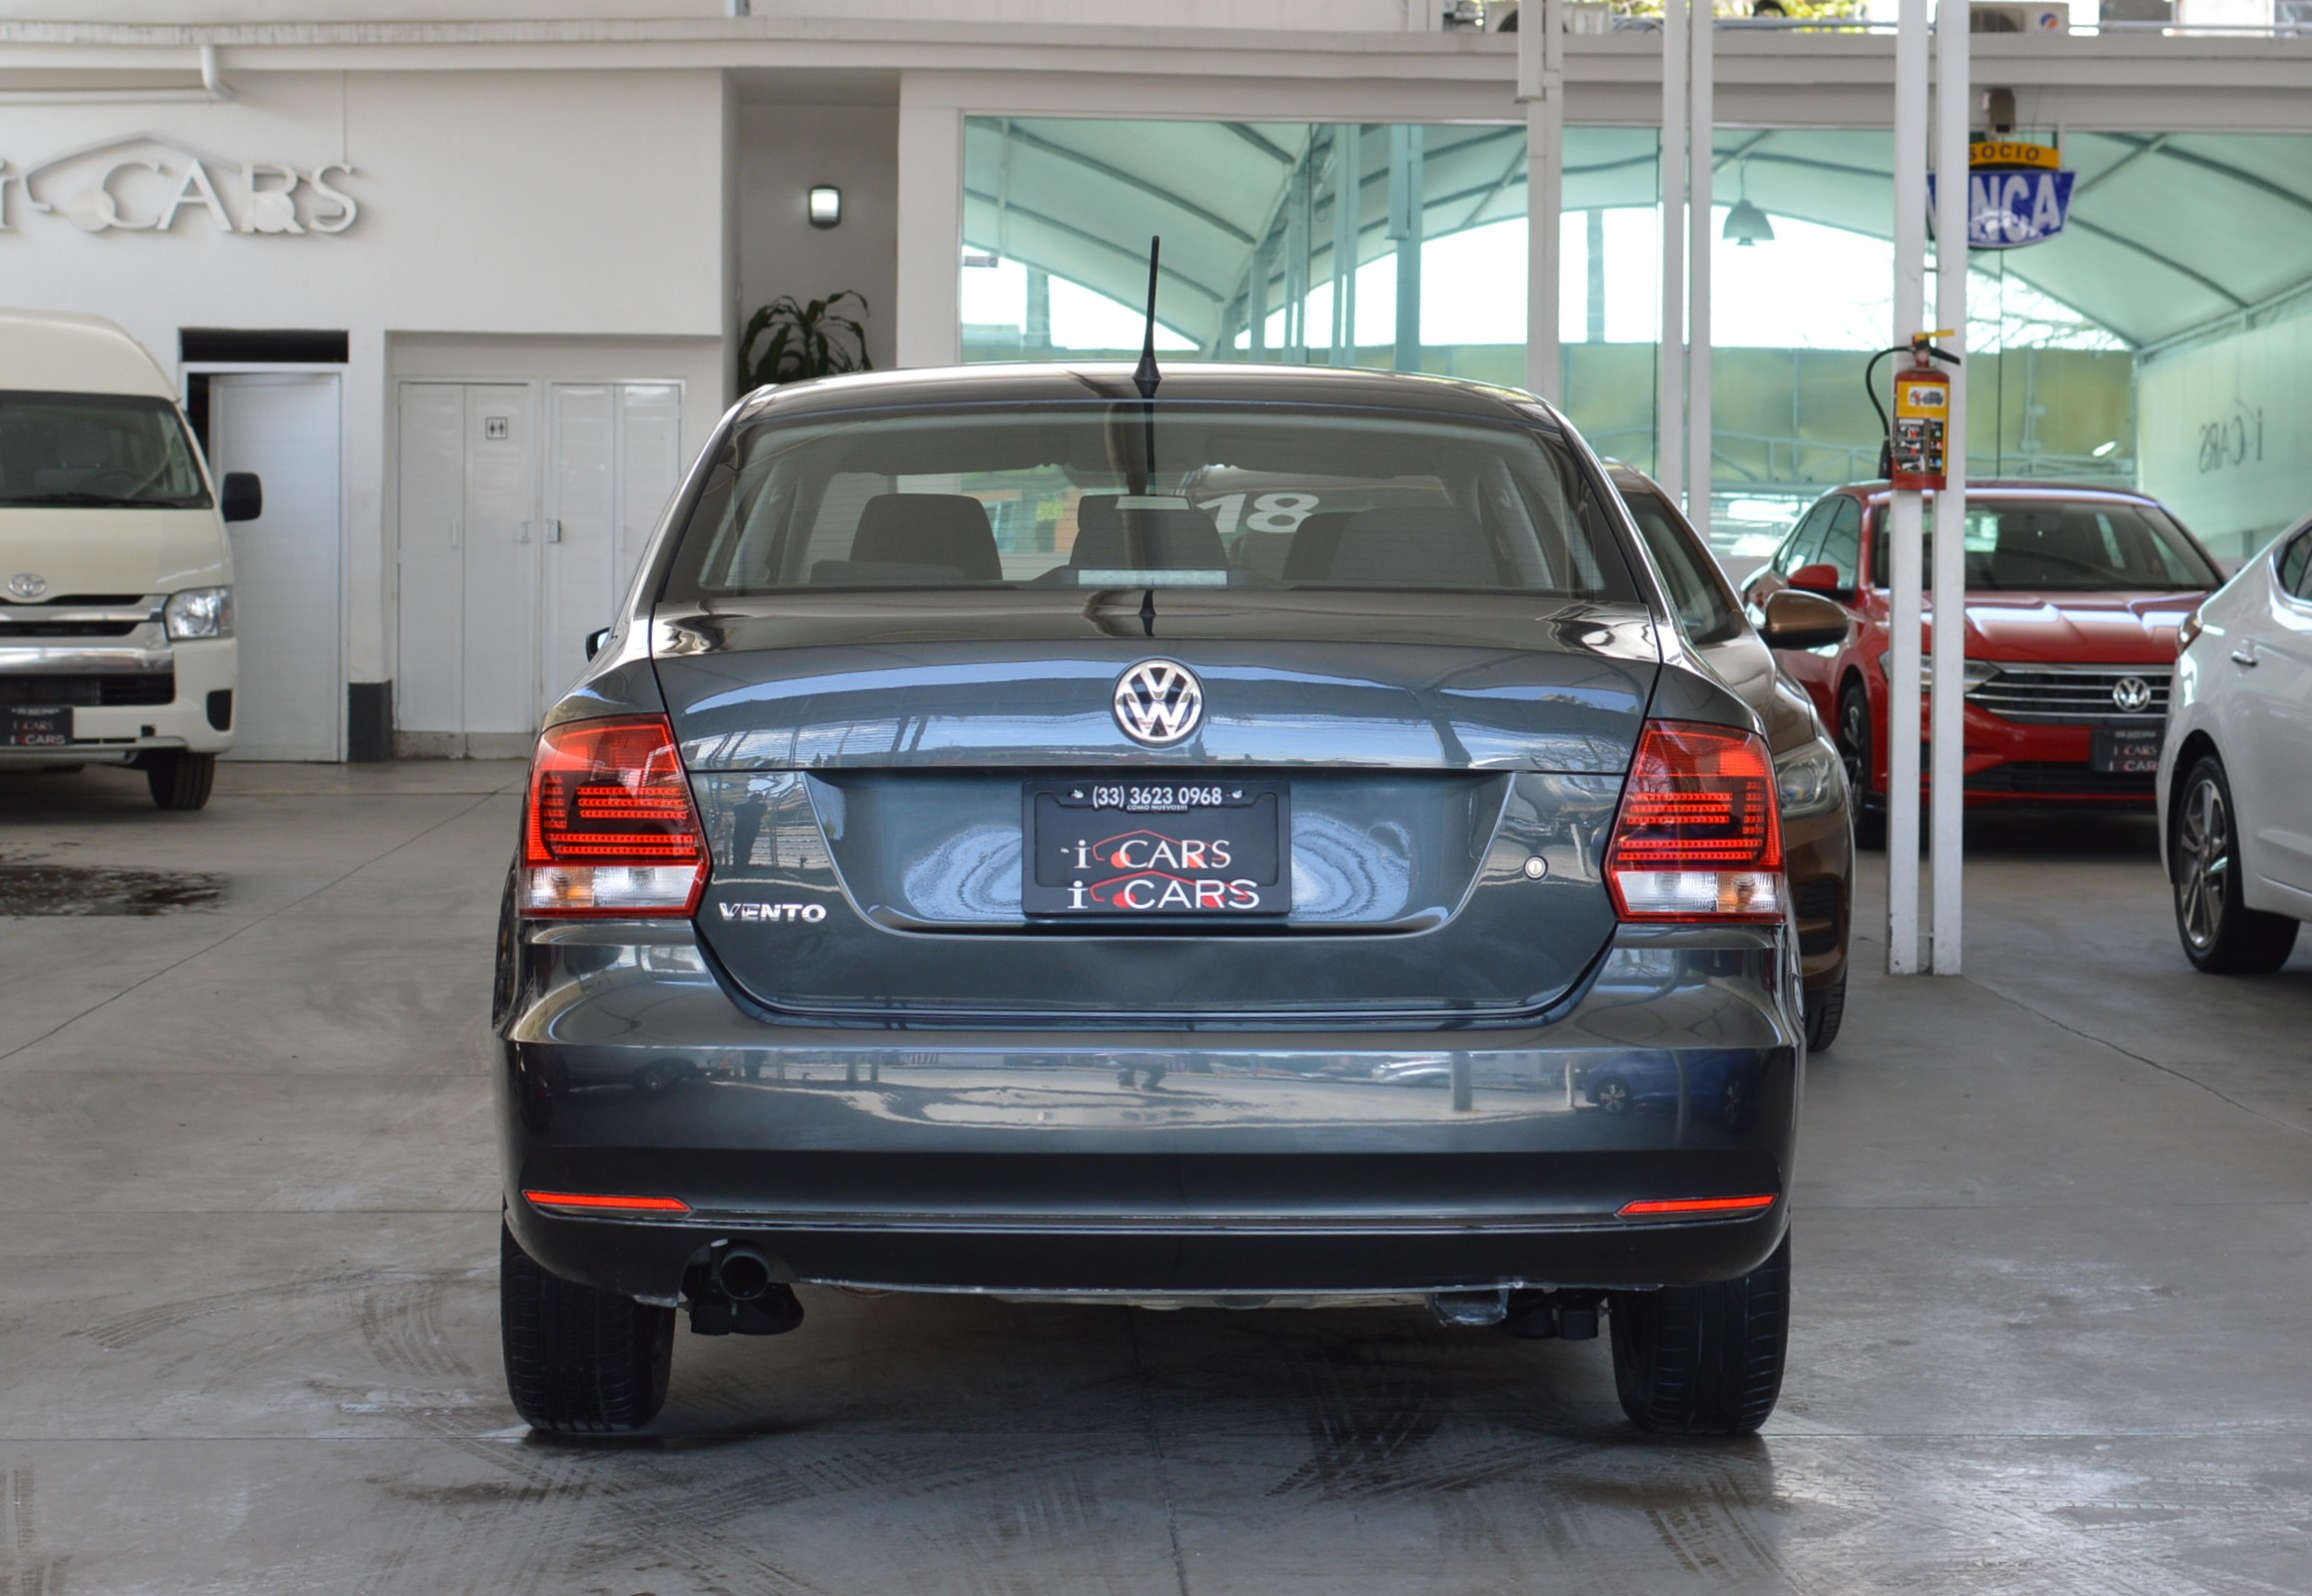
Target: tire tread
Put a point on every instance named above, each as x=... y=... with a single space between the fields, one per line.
x=1705 y=1359
x=578 y=1360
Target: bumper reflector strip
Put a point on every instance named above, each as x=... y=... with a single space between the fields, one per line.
x=594 y=1202
x=1733 y=1205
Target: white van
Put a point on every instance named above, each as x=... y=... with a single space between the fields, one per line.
x=116 y=578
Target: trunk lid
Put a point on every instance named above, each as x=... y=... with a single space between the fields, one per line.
x=860 y=764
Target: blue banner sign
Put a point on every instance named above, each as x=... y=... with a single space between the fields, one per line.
x=2006 y=210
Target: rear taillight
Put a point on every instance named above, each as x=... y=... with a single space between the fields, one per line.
x=611 y=829
x=1698 y=837
x=2189 y=629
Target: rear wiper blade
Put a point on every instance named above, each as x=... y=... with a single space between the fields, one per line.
x=101 y=501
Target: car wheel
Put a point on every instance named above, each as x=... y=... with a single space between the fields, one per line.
x=1854 y=738
x=2220 y=932
x=180 y=780
x=1612 y=1095
x=1825 y=1010
x=578 y=1360
x=1704 y=1359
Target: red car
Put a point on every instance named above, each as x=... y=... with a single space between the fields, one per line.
x=2073 y=597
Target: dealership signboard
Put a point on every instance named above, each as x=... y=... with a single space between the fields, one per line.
x=2018 y=194
x=139 y=182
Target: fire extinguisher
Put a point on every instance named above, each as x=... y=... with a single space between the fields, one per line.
x=1913 y=456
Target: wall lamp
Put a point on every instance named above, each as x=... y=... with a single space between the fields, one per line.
x=826 y=205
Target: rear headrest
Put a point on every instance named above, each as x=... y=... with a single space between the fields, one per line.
x=938 y=529
x=1172 y=537
x=1314 y=543
x=1441 y=547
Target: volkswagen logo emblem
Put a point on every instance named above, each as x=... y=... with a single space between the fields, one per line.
x=2133 y=695
x=27 y=584
x=1159 y=702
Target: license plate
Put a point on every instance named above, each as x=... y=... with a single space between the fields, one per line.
x=1156 y=848
x=2125 y=750
x=36 y=728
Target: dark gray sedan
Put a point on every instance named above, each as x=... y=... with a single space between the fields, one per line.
x=965 y=867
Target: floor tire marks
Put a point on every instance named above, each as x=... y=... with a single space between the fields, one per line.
x=23 y=1570
x=119 y=1334
x=401 y=1322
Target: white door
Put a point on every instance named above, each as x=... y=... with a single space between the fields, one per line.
x=466 y=535
x=2275 y=695
x=614 y=455
x=285 y=426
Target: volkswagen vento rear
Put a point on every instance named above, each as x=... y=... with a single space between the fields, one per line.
x=967 y=868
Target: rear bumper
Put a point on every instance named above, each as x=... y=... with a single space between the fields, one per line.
x=1256 y=1161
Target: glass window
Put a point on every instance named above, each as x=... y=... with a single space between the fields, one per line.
x=1697 y=587
x=1062 y=495
x=1805 y=538
x=1842 y=540
x=1397 y=245
x=96 y=450
x=2296 y=565
x=2075 y=545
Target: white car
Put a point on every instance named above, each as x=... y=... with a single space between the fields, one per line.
x=2235 y=771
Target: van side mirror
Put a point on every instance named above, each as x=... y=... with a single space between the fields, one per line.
x=1801 y=620
x=1822 y=578
x=595 y=639
x=241 y=498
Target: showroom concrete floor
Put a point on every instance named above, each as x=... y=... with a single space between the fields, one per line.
x=2054 y=1301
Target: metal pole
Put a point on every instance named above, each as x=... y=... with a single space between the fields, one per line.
x=1347 y=170
x=1405 y=226
x=1946 y=739
x=1540 y=80
x=1670 y=388
x=1701 y=131
x=1902 y=707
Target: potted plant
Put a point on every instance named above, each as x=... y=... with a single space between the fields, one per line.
x=802 y=340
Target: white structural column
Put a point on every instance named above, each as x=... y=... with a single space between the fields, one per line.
x=1702 y=122
x=1902 y=707
x=1947 y=740
x=1541 y=86
x=928 y=320
x=1670 y=391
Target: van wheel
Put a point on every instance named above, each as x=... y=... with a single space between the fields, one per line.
x=180 y=780
x=2220 y=932
x=578 y=1360
x=1704 y=1359
x=1853 y=740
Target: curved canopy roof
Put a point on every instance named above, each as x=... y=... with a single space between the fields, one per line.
x=2167 y=232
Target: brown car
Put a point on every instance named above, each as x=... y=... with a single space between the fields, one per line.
x=1818 y=835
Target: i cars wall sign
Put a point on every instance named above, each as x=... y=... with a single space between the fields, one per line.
x=1159 y=702
x=142 y=183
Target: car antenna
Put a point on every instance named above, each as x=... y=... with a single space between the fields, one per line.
x=1145 y=377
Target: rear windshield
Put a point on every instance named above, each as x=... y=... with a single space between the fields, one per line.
x=2070 y=546
x=1064 y=496
x=95 y=452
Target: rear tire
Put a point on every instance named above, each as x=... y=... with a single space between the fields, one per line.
x=1825 y=1010
x=1704 y=1359
x=578 y=1360
x=1855 y=752
x=2219 y=932
x=180 y=780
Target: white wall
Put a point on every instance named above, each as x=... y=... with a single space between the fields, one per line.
x=2223 y=435
x=784 y=147
x=572 y=206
